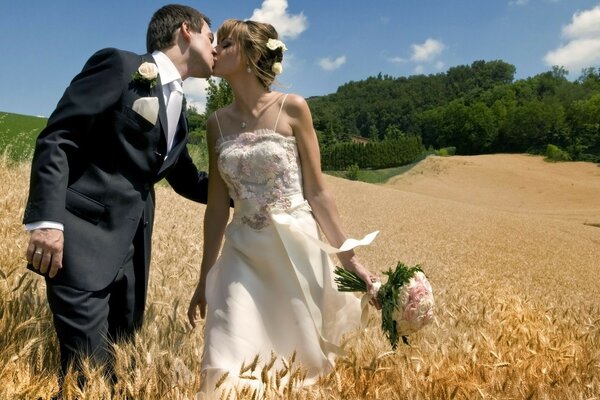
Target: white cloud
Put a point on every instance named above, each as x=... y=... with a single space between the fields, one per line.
x=525 y=2
x=397 y=60
x=575 y=55
x=329 y=64
x=195 y=93
x=585 y=24
x=583 y=48
x=424 y=53
x=275 y=13
x=427 y=51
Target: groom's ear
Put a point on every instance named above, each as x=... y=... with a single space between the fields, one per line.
x=185 y=31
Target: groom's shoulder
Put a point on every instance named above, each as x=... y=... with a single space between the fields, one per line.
x=118 y=53
x=114 y=56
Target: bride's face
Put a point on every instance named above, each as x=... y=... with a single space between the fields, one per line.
x=228 y=59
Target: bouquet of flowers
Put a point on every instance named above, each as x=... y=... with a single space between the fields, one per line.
x=406 y=299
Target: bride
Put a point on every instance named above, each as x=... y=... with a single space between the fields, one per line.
x=270 y=292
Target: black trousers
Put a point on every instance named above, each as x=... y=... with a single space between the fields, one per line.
x=87 y=323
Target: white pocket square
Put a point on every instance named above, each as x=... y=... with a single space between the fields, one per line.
x=147 y=107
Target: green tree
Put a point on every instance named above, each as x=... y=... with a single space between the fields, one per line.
x=477 y=108
x=195 y=120
x=471 y=129
x=535 y=124
x=393 y=132
x=218 y=95
x=584 y=118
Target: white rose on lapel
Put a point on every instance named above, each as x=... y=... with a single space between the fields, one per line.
x=147 y=73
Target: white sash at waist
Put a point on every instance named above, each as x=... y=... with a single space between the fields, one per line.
x=284 y=217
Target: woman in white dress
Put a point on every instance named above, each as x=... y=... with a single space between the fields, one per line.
x=271 y=290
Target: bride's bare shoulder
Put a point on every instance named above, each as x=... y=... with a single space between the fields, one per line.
x=295 y=105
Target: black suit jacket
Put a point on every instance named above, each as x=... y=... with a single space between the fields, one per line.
x=95 y=165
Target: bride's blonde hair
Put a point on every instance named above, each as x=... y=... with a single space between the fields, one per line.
x=252 y=37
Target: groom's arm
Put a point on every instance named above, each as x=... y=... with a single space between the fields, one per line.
x=187 y=181
x=58 y=149
x=59 y=146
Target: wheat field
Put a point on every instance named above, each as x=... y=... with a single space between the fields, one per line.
x=510 y=243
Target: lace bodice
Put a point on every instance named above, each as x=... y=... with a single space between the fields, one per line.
x=262 y=171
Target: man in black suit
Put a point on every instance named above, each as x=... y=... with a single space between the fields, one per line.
x=90 y=210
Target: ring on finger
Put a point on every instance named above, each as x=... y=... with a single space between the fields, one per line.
x=38 y=252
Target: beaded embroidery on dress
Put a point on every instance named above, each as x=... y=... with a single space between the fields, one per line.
x=271 y=292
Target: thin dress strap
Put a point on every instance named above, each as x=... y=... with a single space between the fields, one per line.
x=219 y=124
x=280 y=108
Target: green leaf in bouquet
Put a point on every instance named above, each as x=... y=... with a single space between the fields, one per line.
x=388 y=298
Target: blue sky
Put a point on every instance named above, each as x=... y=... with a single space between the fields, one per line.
x=331 y=42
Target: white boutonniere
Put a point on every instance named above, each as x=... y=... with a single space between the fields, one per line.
x=274 y=44
x=146 y=73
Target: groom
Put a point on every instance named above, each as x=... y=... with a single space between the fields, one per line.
x=117 y=130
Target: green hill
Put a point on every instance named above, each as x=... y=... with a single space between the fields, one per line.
x=18 y=133
x=476 y=109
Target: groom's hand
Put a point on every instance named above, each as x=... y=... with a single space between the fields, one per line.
x=45 y=250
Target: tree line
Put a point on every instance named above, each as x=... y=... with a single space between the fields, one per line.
x=477 y=109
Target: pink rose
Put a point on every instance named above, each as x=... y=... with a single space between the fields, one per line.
x=415 y=305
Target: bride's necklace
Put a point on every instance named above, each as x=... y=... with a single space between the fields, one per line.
x=243 y=124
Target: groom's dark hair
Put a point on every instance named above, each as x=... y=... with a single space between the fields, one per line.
x=167 y=20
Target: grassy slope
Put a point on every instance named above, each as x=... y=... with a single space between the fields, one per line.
x=18 y=134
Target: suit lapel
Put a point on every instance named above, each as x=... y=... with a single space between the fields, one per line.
x=162 y=111
x=157 y=91
x=181 y=132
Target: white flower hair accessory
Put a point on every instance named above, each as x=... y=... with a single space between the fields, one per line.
x=277 y=68
x=147 y=73
x=274 y=44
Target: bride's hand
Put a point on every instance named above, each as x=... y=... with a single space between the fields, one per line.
x=198 y=301
x=370 y=279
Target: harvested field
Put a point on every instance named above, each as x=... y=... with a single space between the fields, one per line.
x=510 y=243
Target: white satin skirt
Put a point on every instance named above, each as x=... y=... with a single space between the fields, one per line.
x=271 y=294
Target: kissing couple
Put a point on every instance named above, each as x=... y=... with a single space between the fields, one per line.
x=265 y=284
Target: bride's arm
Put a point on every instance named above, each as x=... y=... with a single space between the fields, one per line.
x=315 y=190
x=215 y=221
